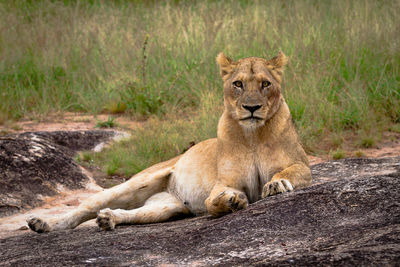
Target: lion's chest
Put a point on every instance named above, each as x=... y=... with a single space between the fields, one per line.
x=257 y=173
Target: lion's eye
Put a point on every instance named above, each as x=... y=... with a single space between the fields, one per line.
x=238 y=84
x=266 y=84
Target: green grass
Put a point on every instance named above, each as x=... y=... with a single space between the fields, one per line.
x=109 y=123
x=161 y=139
x=395 y=128
x=84 y=157
x=367 y=141
x=338 y=154
x=157 y=60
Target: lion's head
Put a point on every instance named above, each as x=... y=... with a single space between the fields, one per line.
x=252 y=90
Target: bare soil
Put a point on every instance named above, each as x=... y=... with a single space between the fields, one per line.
x=69 y=122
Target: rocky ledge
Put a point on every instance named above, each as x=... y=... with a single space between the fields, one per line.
x=349 y=216
x=38 y=164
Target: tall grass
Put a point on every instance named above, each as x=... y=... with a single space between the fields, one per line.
x=161 y=139
x=343 y=74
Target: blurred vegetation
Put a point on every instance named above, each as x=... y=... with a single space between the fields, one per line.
x=109 y=123
x=152 y=59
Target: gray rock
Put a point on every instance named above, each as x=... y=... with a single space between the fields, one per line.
x=33 y=165
x=349 y=216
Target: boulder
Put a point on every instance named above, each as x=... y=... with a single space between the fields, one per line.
x=349 y=216
x=38 y=164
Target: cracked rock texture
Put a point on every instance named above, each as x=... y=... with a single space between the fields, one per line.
x=349 y=216
x=37 y=164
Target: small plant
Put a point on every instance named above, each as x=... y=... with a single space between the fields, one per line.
x=112 y=169
x=4 y=132
x=144 y=101
x=109 y=123
x=16 y=127
x=367 y=141
x=395 y=128
x=84 y=157
x=359 y=154
x=87 y=156
x=78 y=159
x=338 y=154
x=337 y=140
x=144 y=59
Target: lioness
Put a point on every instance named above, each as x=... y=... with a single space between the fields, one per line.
x=257 y=154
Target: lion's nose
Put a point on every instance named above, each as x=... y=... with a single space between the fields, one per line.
x=251 y=108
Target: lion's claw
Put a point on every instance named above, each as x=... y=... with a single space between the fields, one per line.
x=276 y=187
x=228 y=201
x=106 y=219
x=38 y=225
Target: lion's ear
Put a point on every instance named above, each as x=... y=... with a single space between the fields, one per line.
x=279 y=61
x=225 y=64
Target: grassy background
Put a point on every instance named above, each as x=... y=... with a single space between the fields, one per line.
x=157 y=60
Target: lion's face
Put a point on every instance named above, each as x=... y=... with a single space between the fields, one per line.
x=252 y=88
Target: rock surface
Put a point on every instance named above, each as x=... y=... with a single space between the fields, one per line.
x=33 y=165
x=349 y=216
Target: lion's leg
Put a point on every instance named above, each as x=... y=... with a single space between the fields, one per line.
x=295 y=176
x=224 y=199
x=122 y=196
x=158 y=208
x=129 y=195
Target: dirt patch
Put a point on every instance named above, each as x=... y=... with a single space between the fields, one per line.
x=69 y=122
x=388 y=147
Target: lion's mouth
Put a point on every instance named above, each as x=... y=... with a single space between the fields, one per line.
x=255 y=118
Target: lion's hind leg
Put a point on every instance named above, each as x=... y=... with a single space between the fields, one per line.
x=158 y=208
x=129 y=195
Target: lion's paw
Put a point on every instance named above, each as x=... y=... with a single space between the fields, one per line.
x=276 y=187
x=106 y=219
x=38 y=225
x=228 y=201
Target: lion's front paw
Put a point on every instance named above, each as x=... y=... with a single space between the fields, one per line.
x=276 y=187
x=227 y=202
x=106 y=219
x=38 y=225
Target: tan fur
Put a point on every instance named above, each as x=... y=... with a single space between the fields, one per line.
x=257 y=154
